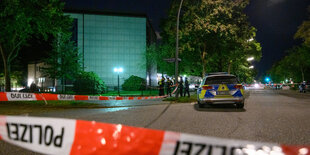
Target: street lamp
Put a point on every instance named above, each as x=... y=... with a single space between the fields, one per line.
x=177 y=50
x=118 y=70
x=251 y=67
x=250 y=59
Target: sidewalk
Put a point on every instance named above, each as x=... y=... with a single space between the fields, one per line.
x=293 y=93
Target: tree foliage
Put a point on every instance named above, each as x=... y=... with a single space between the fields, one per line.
x=134 y=83
x=295 y=66
x=303 y=31
x=21 y=20
x=63 y=60
x=214 y=36
x=88 y=83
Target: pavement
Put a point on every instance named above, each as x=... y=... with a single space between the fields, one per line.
x=268 y=116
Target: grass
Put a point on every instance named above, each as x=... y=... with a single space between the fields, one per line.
x=25 y=107
x=192 y=98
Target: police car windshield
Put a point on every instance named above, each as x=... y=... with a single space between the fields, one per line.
x=221 y=80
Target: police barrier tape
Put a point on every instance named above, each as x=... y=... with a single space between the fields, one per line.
x=67 y=136
x=16 y=96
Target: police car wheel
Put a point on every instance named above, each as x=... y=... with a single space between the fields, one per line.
x=199 y=104
x=240 y=105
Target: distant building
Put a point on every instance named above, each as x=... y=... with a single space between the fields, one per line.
x=35 y=75
x=109 y=40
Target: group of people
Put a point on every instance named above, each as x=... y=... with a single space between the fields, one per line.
x=168 y=84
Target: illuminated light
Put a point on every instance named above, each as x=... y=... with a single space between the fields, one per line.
x=267 y=79
x=116 y=133
x=103 y=141
x=277 y=148
x=99 y=131
x=250 y=59
x=119 y=70
x=239 y=151
x=261 y=152
x=303 y=151
x=132 y=134
x=128 y=139
x=251 y=39
x=256 y=85
x=251 y=67
x=266 y=148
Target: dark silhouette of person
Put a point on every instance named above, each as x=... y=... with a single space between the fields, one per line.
x=181 y=87
x=168 y=86
x=161 y=84
x=33 y=87
x=186 y=88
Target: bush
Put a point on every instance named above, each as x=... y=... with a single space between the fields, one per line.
x=134 y=83
x=88 y=83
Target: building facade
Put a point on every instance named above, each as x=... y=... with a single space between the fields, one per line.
x=107 y=41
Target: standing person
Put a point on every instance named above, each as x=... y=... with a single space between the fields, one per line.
x=181 y=87
x=33 y=87
x=186 y=88
x=169 y=85
x=161 y=86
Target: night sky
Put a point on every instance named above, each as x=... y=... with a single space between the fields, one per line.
x=276 y=20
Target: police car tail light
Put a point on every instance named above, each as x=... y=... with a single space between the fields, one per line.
x=238 y=86
x=207 y=87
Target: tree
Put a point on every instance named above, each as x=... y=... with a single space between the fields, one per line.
x=88 y=83
x=19 y=20
x=303 y=31
x=214 y=36
x=63 y=60
x=134 y=83
x=295 y=65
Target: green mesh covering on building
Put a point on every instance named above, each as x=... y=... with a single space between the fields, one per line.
x=112 y=41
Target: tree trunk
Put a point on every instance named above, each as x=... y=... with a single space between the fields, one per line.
x=150 y=79
x=7 y=70
x=229 y=67
x=302 y=74
x=203 y=68
x=204 y=54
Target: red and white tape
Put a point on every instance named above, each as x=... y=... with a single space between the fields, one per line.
x=66 y=136
x=14 y=96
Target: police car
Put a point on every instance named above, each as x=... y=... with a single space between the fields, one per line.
x=217 y=88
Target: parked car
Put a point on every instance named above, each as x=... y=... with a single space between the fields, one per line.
x=217 y=88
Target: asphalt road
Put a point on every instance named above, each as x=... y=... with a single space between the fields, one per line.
x=268 y=116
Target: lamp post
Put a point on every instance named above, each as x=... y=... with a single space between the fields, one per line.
x=177 y=50
x=118 y=70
